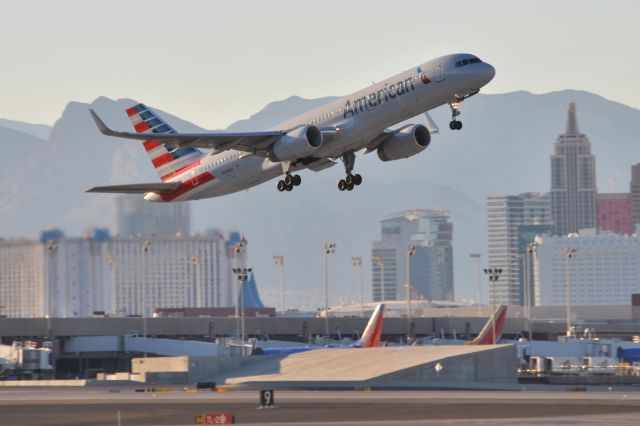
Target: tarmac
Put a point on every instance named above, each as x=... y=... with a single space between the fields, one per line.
x=174 y=406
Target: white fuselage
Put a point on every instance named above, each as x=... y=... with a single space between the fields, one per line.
x=360 y=117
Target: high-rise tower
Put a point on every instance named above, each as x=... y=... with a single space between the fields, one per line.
x=635 y=193
x=431 y=265
x=573 y=180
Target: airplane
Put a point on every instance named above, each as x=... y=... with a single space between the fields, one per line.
x=486 y=335
x=370 y=338
x=316 y=140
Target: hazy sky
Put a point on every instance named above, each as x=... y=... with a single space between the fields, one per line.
x=216 y=62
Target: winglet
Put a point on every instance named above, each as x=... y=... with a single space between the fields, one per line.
x=101 y=126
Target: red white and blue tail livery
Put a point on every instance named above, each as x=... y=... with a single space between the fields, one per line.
x=169 y=160
x=371 y=119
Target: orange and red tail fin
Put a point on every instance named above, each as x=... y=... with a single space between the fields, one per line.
x=486 y=336
x=168 y=160
x=373 y=331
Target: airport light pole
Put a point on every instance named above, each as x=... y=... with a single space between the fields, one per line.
x=111 y=261
x=379 y=261
x=531 y=250
x=477 y=257
x=329 y=248
x=143 y=303
x=494 y=275
x=357 y=262
x=238 y=249
x=279 y=261
x=243 y=275
x=569 y=253
x=199 y=291
x=52 y=247
x=411 y=250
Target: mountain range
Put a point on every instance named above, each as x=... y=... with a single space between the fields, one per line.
x=503 y=149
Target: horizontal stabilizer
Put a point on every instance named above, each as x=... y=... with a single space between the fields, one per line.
x=137 y=188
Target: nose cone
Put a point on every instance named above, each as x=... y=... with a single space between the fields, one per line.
x=487 y=73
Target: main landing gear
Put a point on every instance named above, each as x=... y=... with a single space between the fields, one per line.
x=351 y=180
x=454 y=124
x=289 y=182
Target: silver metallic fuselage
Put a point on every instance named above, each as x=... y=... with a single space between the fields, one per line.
x=236 y=170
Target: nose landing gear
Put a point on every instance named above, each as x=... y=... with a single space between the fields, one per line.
x=454 y=124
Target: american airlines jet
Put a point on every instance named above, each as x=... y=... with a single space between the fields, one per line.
x=362 y=121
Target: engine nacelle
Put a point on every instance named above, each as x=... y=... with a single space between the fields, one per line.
x=405 y=143
x=298 y=143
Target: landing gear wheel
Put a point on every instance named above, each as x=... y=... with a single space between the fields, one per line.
x=281 y=185
x=342 y=185
x=288 y=179
x=357 y=179
x=455 y=125
x=350 y=186
x=289 y=187
x=349 y=180
x=296 y=180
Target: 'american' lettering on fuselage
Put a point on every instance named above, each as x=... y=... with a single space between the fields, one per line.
x=371 y=101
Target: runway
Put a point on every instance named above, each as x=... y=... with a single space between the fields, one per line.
x=91 y=406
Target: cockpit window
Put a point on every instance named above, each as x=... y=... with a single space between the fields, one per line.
x=464 y=62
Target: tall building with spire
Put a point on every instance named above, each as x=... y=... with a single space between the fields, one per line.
x=573 y=180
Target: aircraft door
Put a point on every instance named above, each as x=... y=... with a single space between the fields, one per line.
x=439 y=73
x=194 y=178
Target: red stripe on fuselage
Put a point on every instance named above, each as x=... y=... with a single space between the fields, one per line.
x=141 y=127
x=181 y=170
x=132 y=111
x=187 y=186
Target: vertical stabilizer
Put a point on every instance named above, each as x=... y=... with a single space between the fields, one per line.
x=373 y=331
x=486 y=336
x=168 y=160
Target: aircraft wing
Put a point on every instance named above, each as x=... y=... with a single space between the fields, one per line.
x=219 y=141
x=137 y=188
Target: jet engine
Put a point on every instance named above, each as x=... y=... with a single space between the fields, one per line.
x=298 y=143
x=405 y=143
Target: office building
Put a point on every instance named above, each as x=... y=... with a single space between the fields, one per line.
x=136 y=217
x=22 y=278
x=614 y=213
x=76 y=277
x=573 y=180
x=604 y=269
x=634 y=196
x=512 y=222
x=431 y=265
